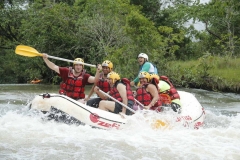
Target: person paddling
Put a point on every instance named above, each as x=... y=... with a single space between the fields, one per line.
x=121 y=91
x=74 y=78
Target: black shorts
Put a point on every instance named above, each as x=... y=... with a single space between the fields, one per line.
x=94 y=102
x=118 y=107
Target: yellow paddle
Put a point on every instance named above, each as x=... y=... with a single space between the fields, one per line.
x=158 y=124
x=31 y=52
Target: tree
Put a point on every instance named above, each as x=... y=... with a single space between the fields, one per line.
x=221 y=24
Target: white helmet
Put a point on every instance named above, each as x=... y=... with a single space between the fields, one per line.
x=143 y=55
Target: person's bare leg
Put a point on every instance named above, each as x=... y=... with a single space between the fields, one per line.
x=107 y=105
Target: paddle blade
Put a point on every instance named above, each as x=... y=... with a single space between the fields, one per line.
x=27 y=51
x=158 y=124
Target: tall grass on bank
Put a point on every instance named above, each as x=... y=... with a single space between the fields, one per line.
x=208 y=72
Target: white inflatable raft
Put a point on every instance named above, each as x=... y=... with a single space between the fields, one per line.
x=192 y=114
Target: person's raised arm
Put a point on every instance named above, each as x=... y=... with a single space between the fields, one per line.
x=50 y=64
x=95 y=79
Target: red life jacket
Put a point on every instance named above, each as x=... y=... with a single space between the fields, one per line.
x=103 y=84
x=73 y=86
x=165 y=98
x=145 y=98
x=115 y=94
x=172 y=91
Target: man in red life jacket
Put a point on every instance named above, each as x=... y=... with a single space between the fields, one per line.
x=121 y=91
x=147 y=93
x=102 y=84
x=74 y=78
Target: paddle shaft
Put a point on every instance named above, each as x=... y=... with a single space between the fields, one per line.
x=31 y=52
x=117 y=101
x=139 y=103
x=67 y=60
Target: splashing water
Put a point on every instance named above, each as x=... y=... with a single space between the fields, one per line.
x=25 y=135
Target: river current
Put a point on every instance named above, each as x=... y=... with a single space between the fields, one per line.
x=25 y=135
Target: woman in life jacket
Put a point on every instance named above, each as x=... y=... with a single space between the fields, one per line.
x=102 y=84
x=121 y=91
x=74 y=78
x=147 y=93
x=168 y=93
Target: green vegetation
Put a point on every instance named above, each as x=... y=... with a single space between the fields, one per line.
x=121 y=29
x=227 y=69
x=208 y=72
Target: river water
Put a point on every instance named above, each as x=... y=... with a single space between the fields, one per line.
x=24 y=135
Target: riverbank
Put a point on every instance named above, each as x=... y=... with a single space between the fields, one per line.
x=209 y=72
